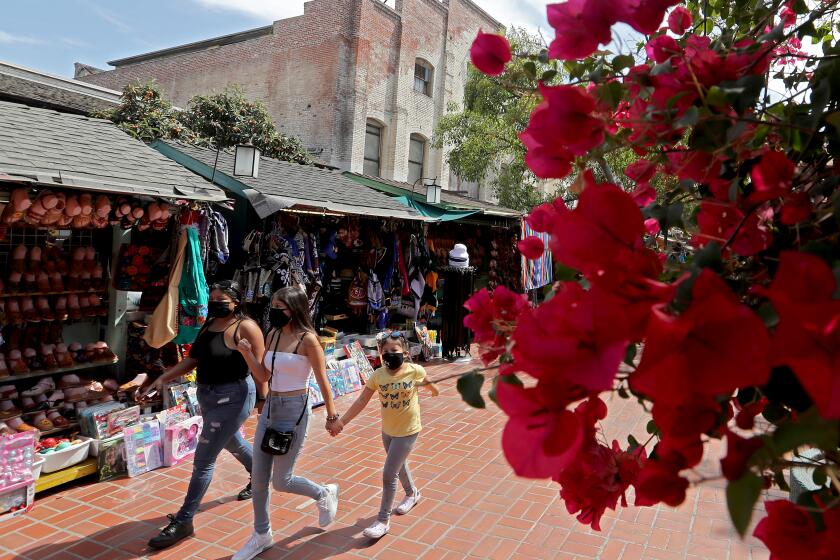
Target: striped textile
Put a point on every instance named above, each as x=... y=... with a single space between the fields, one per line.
x=538 y=273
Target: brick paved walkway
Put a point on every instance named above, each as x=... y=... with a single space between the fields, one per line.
x=473 y=506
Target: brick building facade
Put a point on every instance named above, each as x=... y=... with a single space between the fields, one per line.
x=362 y=83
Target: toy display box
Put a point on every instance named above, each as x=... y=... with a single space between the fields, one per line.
x=17 y=454
x=111 y=461
x=121 y=419
x=143 y=447
x=180 y=440
x=94 y=419
x=17 y=499
x=315 y=396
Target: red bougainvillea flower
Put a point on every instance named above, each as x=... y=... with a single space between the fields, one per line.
x=641 y=171
x=490 y=53
x=541 y=436
x=575 y=336
x=745 y=419
x=661 y=48
x=634 y=292
x=746 y=60
x=679 y=20
x=543 y=216
x=597 y=479
x=652 y=226
x=550 y=161
x=787 y=530
x=739 y=451
x=711 y=349
x=605 y=224
x=565 y=118
x=772 y=177
x=643 y=194
x=580 y=26
x=719 y=221
x=646 y=15
x=492 y=318
x=696 y=416
x=659 y=482
x=787 y=15
x=796 y=208
x=807 y=338
x=531 y=247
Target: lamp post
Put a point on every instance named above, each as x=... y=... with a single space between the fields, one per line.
x=246 y=162
x=433 y=190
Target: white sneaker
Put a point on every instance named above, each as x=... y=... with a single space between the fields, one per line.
x=256 y=545
x=408 y=503
x=377 y=530
x=328 y=506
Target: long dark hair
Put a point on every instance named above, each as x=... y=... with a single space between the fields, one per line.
x=295 y=299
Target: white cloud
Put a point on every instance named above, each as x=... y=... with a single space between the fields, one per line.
x=10 y=39
x=267 y=10
x=530 y=14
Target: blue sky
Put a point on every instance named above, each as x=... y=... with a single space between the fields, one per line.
x=50 y=35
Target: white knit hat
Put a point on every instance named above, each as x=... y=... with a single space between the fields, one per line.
x=458 y=256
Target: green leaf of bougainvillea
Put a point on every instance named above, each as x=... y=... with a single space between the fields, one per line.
x=741 y=496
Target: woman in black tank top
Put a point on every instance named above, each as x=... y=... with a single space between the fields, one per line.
x=226 y=395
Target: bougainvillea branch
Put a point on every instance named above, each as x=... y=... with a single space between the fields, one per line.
x=739 y=340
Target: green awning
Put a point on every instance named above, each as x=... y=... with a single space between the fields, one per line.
x=435 y=212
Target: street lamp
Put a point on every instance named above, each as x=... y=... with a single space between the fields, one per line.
x=246 y=161
x=433 y=190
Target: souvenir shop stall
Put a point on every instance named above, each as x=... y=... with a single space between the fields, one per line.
x=88 y=218
x=59 y=378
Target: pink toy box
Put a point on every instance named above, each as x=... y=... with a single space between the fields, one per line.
x=17 y=486
x=180 y=440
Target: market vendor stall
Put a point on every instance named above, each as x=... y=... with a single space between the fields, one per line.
x=76 y=194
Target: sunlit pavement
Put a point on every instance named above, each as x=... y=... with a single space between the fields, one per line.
x=472 y=507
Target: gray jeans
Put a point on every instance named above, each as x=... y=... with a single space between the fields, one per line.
x=396 y=466
x=285 y=411
x=224 y=408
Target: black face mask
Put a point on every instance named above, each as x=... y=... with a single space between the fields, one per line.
x=278 y=318
x=393 y=360
x=220 y=309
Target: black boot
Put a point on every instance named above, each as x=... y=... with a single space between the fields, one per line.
x=245 y=494
x=175 y=532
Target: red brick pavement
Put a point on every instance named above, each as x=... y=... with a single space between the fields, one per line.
x=473 y=506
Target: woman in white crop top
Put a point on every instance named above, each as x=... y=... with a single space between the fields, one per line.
x=293 y=355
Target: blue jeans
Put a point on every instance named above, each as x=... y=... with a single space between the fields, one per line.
x=284 y=411
x=224 y=407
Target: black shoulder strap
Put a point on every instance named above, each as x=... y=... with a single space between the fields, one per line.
x=300 y=342
x=236 y=331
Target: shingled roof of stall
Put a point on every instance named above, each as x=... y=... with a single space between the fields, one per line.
x=281 y=185
x=449 y=200
x=20 y=84
x=62 y=150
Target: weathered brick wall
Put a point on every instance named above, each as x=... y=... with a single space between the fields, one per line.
x=324 y=74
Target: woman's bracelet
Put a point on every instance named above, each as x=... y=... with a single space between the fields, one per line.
x=333 y=418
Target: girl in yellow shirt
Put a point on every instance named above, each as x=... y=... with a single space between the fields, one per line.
x=397 y=383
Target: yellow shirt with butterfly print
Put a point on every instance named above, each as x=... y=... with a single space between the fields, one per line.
x=398 y=397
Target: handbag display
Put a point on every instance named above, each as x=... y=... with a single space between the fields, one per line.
x=163 y=326
x=193 y=293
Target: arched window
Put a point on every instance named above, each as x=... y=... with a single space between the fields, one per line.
x=423 y=74
x=373 y=149
x=416 y=157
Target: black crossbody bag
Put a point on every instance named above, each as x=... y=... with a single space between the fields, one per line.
x=275 y=442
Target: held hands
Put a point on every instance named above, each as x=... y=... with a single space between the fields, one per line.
x=334 y=427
